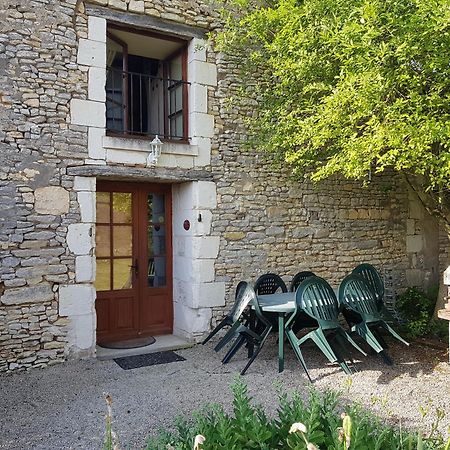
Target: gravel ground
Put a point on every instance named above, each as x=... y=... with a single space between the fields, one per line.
x=62 y=407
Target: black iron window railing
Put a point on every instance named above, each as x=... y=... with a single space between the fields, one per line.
x=146 y=105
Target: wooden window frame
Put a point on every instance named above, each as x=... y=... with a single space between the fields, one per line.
x=183 y=51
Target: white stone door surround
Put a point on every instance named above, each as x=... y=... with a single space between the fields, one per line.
x=195 y=291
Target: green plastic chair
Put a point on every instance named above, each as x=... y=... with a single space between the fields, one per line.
x=316 y=298
x=373 y=279
x=356 y=296
x=254 y=336
x=269 y=283
x=299 y=278
x=234 y=318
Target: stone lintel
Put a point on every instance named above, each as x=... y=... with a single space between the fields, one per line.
x=444 y=314
x=146 y=22
x=153 y=174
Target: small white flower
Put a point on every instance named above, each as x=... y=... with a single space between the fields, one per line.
x=199 y=439
x=311 y=446
x=298 y=427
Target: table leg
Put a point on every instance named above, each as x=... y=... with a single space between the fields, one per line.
x=280 y=342
x=251 y=325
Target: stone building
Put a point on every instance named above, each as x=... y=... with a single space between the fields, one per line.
x=100 y=241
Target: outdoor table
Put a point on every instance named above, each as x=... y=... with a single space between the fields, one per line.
x=281 y=303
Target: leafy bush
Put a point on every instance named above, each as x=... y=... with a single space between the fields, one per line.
x=417 y=307
x=248 y=427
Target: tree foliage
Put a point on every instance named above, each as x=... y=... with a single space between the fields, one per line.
x=349 y=86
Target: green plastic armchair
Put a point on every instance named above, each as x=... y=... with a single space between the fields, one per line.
x=316 y=298
x=356 y=296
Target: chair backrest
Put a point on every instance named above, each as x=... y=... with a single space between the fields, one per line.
x=356 y=294
x=299 y=278
x=316 y=297
x=269 y=284
x=244 y=296
x=373 y=278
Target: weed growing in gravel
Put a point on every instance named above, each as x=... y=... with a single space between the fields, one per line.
x=317 y=424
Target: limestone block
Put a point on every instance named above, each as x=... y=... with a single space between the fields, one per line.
x=204 y=247
x=126 y=157
x=51 y=200
x=198 y=98
x=118 y=4
x=197 y=50
x=136 y=6
x=76 y=299
x=202 y=72
x=209 y=295
x=97 y=29
x=81 y=335
x=447 y=276
x=204 y=151
x=416 y=210
x=183 y=162
x=86 y=200
x=96 y=84
x=84 y=184
x=191 y=320
x=84 y=269
x=88 y=113
x=95 y=143
x=91 y=53
x=414 y=277
x=193 y=270
x=205 y=195
x=414 y=243
x=410 y=226
x=202 y=228
x=166 y=160
x=201 y=124
x=79 y=238
x=30 y=294
x=183 y=195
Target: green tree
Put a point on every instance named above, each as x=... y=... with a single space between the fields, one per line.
x=348 y=87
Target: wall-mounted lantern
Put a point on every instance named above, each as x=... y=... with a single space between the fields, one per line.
x=155 y=151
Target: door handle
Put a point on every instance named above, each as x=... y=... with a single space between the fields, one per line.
x=135 y=267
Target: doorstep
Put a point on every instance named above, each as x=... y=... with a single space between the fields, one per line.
x=161 y=344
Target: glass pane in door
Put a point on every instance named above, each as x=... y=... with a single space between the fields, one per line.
x=156 y=236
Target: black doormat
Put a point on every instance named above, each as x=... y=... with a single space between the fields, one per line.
x=149 y=359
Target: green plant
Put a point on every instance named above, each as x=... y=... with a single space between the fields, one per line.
x=348 y=87
x=313 y=424
x=416 y=307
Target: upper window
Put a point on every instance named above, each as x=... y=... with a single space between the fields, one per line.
x=146 y=85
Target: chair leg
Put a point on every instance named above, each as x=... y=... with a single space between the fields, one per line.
x=292 y=338
x=336 y=344
x=228 y=336
x=386 y=358
x=394 y=333
x=216 y=330
x=321 y=341
x=258 y=349
x=363 y=330
x=350 y=339
x=378 y=336
x=234 y=349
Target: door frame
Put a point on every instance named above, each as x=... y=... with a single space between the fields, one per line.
x=139 y=249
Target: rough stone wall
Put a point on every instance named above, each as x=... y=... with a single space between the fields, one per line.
x=269 y=223
x=38 y=77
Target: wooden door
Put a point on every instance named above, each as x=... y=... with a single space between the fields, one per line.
x=134 y=261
